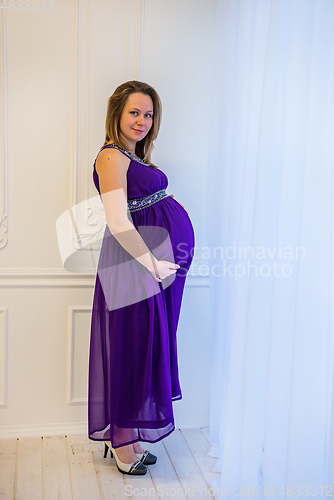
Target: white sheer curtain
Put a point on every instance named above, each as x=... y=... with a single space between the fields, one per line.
x=271 y=190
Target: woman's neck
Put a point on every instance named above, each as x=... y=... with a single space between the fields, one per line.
x=132 y=151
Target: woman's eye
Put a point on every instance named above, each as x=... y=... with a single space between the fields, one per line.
x=136 y=112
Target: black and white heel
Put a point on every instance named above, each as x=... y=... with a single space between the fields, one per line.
x=137 y=468
x=147 y=458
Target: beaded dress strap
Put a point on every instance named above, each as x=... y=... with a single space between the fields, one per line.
x=127 y=153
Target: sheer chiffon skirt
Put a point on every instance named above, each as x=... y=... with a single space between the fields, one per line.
x=133 y=366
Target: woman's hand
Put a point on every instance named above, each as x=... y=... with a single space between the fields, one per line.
x=179 y=202
x=164 y=269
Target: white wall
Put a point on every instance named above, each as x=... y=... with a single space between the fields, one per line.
x=58 y=70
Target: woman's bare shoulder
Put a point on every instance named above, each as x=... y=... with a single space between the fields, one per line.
x=111 y=157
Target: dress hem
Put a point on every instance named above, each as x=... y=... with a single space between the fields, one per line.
x=136 y=440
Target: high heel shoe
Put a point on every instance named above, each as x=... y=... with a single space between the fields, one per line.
x=136 y=468
x=147 y=458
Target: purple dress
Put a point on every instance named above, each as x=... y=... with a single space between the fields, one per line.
x=133 y=365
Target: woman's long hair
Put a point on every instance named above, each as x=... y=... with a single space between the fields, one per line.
x=116 y=103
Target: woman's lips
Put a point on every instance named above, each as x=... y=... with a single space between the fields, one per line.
x=138 y=131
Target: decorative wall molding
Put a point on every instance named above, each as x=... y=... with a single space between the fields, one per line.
x=135 y=39
x=74 y=104
x=3 y=133
x=141 y=41
x=73 y=310
x=3 y=357
x=80 y=83
x=44 y=278
x=54 y=278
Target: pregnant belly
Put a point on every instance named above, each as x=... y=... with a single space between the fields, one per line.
x=182 y=241
x=167 y=230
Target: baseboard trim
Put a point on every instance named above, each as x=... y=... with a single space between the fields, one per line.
x=77 y=428
x=43 y=430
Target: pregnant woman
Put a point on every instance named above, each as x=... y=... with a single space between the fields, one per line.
x=146 y=253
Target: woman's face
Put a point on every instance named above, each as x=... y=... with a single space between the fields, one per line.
x=136 y=119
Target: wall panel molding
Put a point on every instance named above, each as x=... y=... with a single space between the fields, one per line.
x=3 y=133
x=141 y=41
x=44 y=278
x=135 y=39
x=48 y=278
x=73 y=311
x=80 y=84
x=3 y=357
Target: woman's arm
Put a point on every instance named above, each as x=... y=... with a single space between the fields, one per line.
x=111 y=167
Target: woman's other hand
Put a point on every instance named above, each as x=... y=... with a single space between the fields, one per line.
x=164 y=269
x=179 y=202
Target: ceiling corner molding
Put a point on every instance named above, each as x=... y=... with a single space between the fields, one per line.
x=3 y=133
x=135 y=39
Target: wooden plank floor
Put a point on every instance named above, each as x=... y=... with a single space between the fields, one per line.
x=73 y=468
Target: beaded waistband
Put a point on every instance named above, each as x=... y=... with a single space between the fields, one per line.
x=146 y=201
